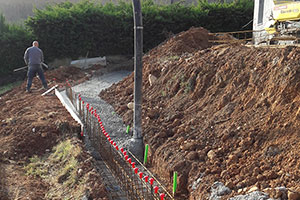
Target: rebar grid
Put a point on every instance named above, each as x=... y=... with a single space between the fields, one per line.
x=134 y=183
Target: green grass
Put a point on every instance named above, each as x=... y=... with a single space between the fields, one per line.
x=59 y=169
x=9 y=86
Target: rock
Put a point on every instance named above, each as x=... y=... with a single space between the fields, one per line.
x=130 y=105
x=196 y=182
x=232 y=158
x=151 y=79
x=44 y=134
x=293 y=195
x=257 y=195
x=189 y=146
x=254 y=188
x=79 y=172
x=52 y=114
x=153 y=114
x=298 y=114
x=11 y=120
x=211 y=155
x=176 y=123
x=193 y=155
x=230 y=185
x=272 y=150
x=180 y=140
x=218 y=189
x=256 y=171
x=270 y=175
x=277 y=193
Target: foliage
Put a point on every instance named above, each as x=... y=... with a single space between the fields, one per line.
x=72 y=30
x=8 y=87
x=59 y=168
x=14 y=40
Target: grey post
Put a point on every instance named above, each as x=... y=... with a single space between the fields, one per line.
x=136 y=143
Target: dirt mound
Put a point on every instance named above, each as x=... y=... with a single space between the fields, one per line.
x=184 y=42
x=31 y=125
x=228 y=113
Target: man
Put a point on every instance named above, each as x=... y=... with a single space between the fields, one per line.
x=33 y=58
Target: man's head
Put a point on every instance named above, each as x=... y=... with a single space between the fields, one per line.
x=35 y=43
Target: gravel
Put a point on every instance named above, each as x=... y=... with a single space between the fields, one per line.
x=90 y=90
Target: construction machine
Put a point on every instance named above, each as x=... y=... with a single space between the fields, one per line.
x=284 y=22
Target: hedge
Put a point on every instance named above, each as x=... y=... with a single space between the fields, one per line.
x=73 y=30
x=13 y=42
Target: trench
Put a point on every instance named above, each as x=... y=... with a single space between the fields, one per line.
x=89 y=91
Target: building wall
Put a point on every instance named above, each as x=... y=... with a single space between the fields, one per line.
x=260 y=20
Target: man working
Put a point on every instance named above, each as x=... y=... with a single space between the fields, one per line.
x=33 y=58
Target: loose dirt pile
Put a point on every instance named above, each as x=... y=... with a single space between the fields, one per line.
x=226 y=113
x=31 y=125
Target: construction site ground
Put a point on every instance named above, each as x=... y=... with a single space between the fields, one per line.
x=219 y=113
x=215 y=114
x=41 y=156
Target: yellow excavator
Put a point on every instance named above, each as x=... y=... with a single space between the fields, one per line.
x=284 y=24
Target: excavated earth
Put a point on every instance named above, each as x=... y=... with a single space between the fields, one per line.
x=31 y=125
x=225 y=113
x=216 y=113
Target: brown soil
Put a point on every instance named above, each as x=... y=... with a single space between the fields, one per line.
x=33 y=125
x=227 y=113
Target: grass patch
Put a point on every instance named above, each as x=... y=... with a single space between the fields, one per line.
x=9 y=86
x=59 y=169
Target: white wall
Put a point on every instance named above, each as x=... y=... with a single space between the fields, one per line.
x=261 y=35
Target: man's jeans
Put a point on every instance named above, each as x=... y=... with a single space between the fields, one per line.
x=32 y=71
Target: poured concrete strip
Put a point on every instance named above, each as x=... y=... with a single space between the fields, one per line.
x=49 y=90
x=69 y=106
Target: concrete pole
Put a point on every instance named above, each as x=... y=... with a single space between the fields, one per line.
x=136 y=143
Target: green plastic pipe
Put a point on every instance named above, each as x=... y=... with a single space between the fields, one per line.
x=146 y=153
x=128 y=128
x=174 y=182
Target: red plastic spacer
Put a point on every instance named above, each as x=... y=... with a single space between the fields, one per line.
x=117 y=148
x=146 y=178
x=133 y=164
x=81 y=133
x=141 y=174
x=125 y=152
x=162 y=196
x=126 y=157
x=136 y=170
x=111 y=141
x=122 y=150
x=156 y=189
x=115 y=144
x=83 y=102
x=151 y=180
x=129 y=160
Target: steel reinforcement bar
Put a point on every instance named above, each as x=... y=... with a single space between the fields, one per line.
x=134 y=178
